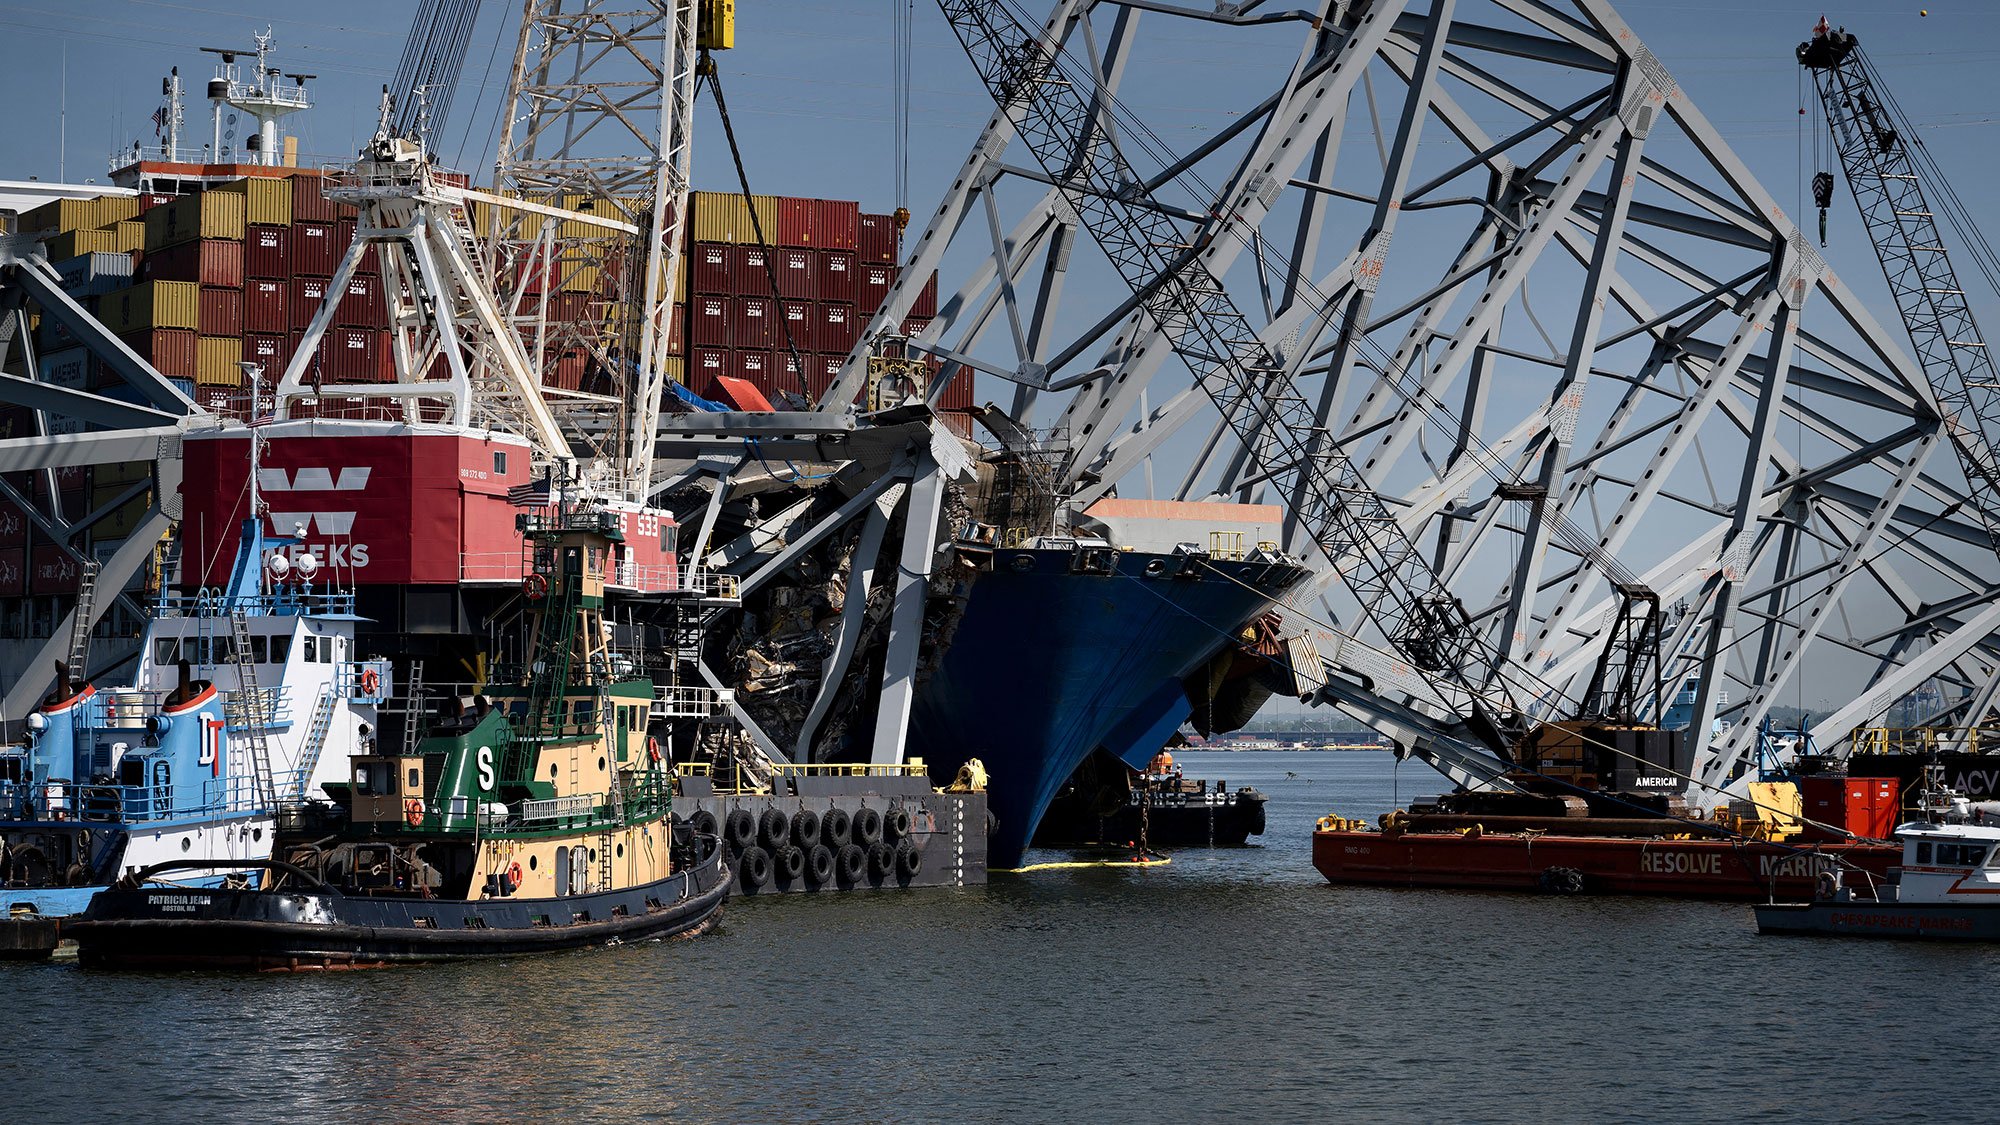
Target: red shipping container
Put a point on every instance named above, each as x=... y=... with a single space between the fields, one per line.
x=825 y=369
x=221 y=312
x=707 y=364
x=795 y=274
x=171 y=351
x=205 y=261
x=926 y=302
x=149 y=201
x=343 y=238
x=677 y=333
x=750 y=270
x=838 y=225
x=310 y=204
x=272 y=349
x=753 y=365
x=267 y=252
x=877 y=239
x=265 y=308
x=567 y=308
x=796 y=220
x=837 y=327
x=710 y=317
x=786 y=372
x=835 y=275
x=356 y=355
x=711 y=268
x=307 y=295
x=52 y=570
x=13 y=572
x=566 y=372
x=756 y=323
x=361 y=304
x=915 y=325
x=872 y=285
x=1865 y=806
x=13 y=525
x=798 y=327
x=314 y=252
x=957 y=393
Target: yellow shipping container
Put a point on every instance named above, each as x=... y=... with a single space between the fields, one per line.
x=215 y=361
x=152 y=304
x=675 y=367
x=121 y=523
x=131 y=234
x=122 y=474
x=80 y=214
x=717 y=216
x=69 y=244
x=265 y=200
x=211 y=214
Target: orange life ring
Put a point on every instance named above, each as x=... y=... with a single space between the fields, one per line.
x=535 y=586
x=371 y=681
x=653 y=749
x=513 y=876
x=413 y=811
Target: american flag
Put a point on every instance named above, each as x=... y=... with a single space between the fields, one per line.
x=159 y=120
x=533 y=494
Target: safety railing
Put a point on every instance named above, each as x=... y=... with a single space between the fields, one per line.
x=365 y=681
x=121 y=708
x=1925 y=740
x=266 y=707
x=94 y=803
x=646 y=579
x=290 y=601
x=492 y=566
x=578 y=806
x=685 y=702
x=714 y=584
x=366 y=179
x=914 y=767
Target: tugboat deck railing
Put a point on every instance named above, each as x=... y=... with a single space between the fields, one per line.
x=94 y=803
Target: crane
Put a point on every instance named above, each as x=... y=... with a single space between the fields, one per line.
x=1056 y=108
x=1885 y=167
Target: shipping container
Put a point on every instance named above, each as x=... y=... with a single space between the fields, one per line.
x=149 y=200
x=67 y=368
x=716 y=216
x=356 y=355
x=926 y=303
x=70 y=244
x=567 y=370
x=710 y=321
x=204 y=261
x=52 y=570
x=798 y=222
x=265 y=308
x=799 y=326
x=221 y=311
x=130 y=233
x=272 y=349
x=122 y=520
x=712 y=267
x=675 y=369
x=266 y=200
x=825 y=369
x=209 y=214
x=13 y=572
x=755 y=323
x=877 y=239
x=152 y=304
x=79 y=214
x=306 y=296
x=171 y=351
x=837 y=327
x=834 y=275
x=93 y=275
x=216 y=361
x=313 y=249
x=752 y=365
x=751 y=270
x=53 y=335
x=957 y=393
x=872 y=285
x=914 y=326
x=838 y=224
x=267 y=252
x=795 y=274
x=343 y=238
x=361 y=304
x=310 y=204
x=583 y=277
x=706 y=363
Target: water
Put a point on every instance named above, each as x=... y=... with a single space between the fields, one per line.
x=1229 y=985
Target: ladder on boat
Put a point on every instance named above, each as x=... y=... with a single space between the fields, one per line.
x=604 y=869
x=80 y=625
x=315 y=744
x=253 y=715
x=413 y=708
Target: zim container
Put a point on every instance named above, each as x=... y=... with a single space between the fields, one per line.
x=796 y=274
x=313 y=249
x=750 y=271
x=872 y=284
x=267 y=252
x=272 y=349
x=837 y=326
x=361 y=304
x=834 y=275
x=266 y=306
x=756 y=322
x=204 y=261
x=306 y=296
x=221 y=312
x=709 y=320
x=712 y=267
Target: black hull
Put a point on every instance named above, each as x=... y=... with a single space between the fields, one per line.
x=171 y=928
x=1071 y=821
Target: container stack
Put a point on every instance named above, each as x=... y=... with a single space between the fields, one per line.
x=819 y=275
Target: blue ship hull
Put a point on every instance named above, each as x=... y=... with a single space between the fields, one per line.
x=1049 y=663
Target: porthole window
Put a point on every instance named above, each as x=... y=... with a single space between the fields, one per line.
x=256 y=833
x=621 y=851
x=552 y=769
x=600 y=761
x=186 y=844
x=593 y=855
x=533 y=863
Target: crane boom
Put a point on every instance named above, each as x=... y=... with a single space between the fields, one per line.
x=1055 y=115
x=1875 y=152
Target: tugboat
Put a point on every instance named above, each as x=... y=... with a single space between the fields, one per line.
x=534 y=817
x=1108 y=802
x=191 y=762
x=1945 y=889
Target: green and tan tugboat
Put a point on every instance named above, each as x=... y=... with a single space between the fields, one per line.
x=536 y=816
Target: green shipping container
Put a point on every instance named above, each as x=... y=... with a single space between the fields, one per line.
x=152 y=304
x=210 y=214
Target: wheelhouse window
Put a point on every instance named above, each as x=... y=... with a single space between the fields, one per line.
x=260 y=649
x=1961 y=855
x=311 y=649
x=166 y=651
x=281 y=649
x=1923 y=851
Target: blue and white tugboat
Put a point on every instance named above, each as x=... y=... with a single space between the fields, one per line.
x=534 y=816
x=1947 y=889
x=246 y=699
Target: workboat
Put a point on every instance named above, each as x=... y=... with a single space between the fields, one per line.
x=534 y=816
x=1069 y=644
x=1947 y=888
x=246 y=696
x=1109 y=803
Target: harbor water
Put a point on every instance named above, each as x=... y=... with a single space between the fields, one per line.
x=1229 y=985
